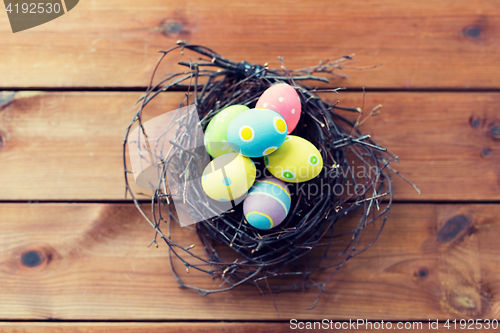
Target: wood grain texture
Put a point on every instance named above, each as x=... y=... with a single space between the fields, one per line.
x=67 y=146
x=143 y=327
x=90 y=262
x=425 y=44
x=203 y=327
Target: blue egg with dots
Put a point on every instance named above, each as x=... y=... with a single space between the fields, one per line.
x=257 y=132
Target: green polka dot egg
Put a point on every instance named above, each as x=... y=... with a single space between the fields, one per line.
x=228 y=177
x=297 y=160
x=216 y=132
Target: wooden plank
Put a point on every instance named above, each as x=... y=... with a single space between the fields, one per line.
x=67 y=146
x=424 y=44
x=90 y=262
x=143 y=327
x=223 y=327
x=441 y=139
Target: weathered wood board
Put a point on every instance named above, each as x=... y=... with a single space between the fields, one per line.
x=67 y=146
x=88 y=265
x=223 y=327
x=90 y=262
x=425 y=44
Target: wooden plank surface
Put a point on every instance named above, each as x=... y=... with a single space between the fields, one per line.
x=67 y=146
x=90 y=262
x=143 y=327
x=222 y=327
x=424 y=44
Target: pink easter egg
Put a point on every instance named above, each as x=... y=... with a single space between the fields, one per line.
x=283 y=99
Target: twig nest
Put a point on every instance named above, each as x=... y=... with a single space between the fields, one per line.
x=289 y=226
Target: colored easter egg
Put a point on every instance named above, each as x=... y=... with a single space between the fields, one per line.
x=216 y=132
x=267 y=204
x=297 y=160
x=257 y=132
x=283 y=99
x=228 y=177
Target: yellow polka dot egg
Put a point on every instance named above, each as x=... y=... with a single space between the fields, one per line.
x=297 y=160
x=228 y=177
x=257 y=132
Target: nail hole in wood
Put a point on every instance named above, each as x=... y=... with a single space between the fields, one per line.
x=495 y=132
x=32 y=258
x=472 y=32
x=485 y=152
x=422 y=272
x=475 y=122
x=171 y=27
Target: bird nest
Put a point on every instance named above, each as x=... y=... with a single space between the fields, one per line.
x=314 y=242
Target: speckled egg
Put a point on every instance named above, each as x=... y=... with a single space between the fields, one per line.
x=228 y=177
x=297 y=160
x=267 y=204
x=216 y=132
x=283 y=99
x=257 y=132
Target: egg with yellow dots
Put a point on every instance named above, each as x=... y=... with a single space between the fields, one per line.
x=228 y=177
x=297 y=160
x=257 y=132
